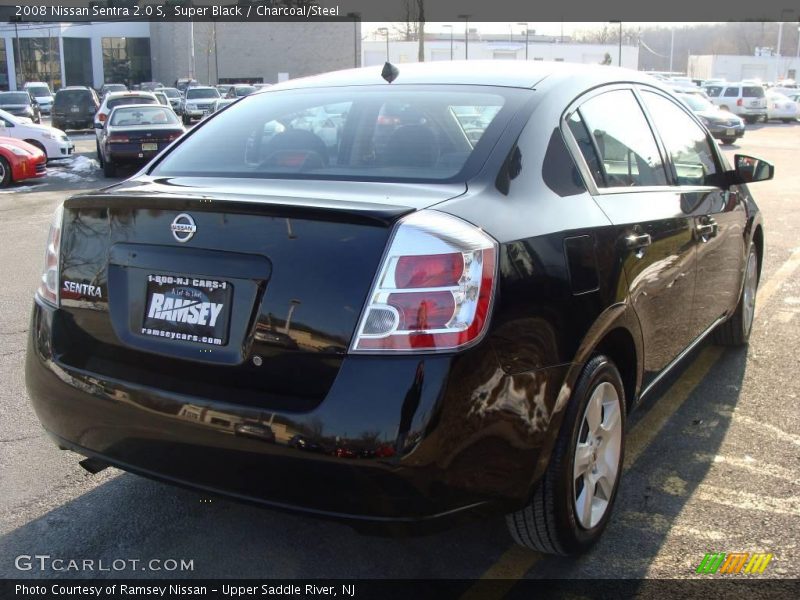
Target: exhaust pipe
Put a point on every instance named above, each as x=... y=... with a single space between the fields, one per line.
x=93 y=465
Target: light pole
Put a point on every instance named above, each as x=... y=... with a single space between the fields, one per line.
x=450 y=27
x=619 y=56
x=671 y=48
x=356 y=17
x=466 y=35
x=526 y=39
x=385 y=31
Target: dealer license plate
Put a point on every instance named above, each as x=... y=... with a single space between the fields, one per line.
x=149 y=147
x=187 y=308
x=730 y=132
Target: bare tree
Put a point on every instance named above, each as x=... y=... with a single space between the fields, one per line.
x=421 y=26
x=408 y=29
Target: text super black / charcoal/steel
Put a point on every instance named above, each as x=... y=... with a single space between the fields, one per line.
x=428 y=299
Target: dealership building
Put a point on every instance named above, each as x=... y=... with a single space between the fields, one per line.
x=131 y=52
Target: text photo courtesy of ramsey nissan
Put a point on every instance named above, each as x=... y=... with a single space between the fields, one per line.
x=363 y=300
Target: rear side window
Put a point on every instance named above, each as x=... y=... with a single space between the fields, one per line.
x=618 y=145
x=732 y=92
x=755 y=91
x=686 y=142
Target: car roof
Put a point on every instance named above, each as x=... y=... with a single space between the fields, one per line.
x=73 y=88
x=113 y=95
x=521 y=74
x=202 y=87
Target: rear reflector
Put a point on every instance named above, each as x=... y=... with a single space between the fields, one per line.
x=434 y=290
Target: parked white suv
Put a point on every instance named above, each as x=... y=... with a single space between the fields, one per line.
x=41 y=91
x=746 y=100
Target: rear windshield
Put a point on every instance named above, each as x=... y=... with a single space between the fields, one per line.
x=130 y=100
x=66 y=97
x=15 y=98
x=195 y=93
x=753 y=91
x=398 y=133
x=142 y=115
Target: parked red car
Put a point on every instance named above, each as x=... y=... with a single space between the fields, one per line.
x=20 y=160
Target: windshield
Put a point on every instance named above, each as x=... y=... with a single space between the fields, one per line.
x=402 y=133
x=115 y=87
x=244 y=91
x=696 y=103
x=170 y=92
x=201 y=93
x=143 y=115
x=15 y=98
x=39 y=91
x=130 y=100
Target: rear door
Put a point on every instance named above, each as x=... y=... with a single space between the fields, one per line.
x=655 y=244
x=719 y=215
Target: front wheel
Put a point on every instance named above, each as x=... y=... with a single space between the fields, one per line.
x=728 y=141
x=787 y=120
x=736 y=330
x=5 y=173
x=572 y=503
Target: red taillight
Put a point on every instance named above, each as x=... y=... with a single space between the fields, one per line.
x=434 y=290
x=385 y=120
x=118 y=138
x=48 y=286
x=432 y=270
x=102 y=117
x=423 y=310
x=739 y=102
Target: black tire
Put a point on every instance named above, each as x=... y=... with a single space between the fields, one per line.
x=549 y=523
x=753 y=120
x=40 y=146
x=186 y=121
x=787 y=120
x=736 y=330
x=728 y=141
x=99 y=154
x=5 y=173
x=109 y=169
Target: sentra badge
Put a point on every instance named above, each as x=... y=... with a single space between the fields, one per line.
x=183 y=228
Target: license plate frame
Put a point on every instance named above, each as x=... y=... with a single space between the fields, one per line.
x=149 y=147
x=187 y=309
x=730 y=132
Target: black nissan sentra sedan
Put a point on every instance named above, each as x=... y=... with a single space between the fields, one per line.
x=454 y=321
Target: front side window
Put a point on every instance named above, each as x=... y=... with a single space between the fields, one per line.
x=686 y=142
x=621 y=141
x=399 y=133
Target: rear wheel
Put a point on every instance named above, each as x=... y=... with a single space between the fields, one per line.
x=5 y=173
x=109 y=169
x=787 y=120
x=736 y=330
x=753 y=120
x=728 y=141
x=570 y=507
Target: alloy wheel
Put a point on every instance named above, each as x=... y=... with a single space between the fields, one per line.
x=597 y=455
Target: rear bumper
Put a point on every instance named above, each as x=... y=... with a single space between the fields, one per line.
x=725 y=132
x=371 y=451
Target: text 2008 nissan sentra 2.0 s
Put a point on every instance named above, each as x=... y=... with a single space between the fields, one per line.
x=399 y=301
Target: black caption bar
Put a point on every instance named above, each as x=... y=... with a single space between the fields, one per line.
x=142 y=589
x=396 y=10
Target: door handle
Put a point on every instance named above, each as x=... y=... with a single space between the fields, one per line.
x=708 y=229
x=636 y=241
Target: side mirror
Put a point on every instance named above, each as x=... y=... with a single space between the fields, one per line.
x=748 y=169
x=99 y=125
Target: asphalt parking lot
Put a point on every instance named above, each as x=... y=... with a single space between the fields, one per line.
x=712 y=465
